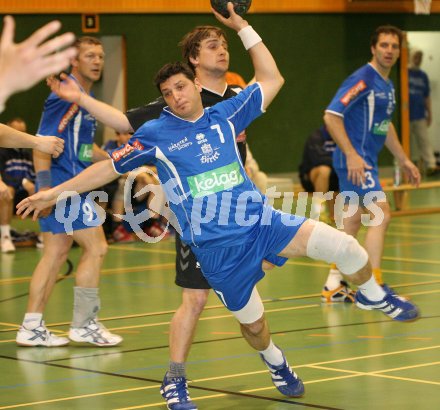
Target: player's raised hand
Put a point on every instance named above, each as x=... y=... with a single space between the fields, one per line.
x=23 y=65
x=235 y=22
x=50 y=145
x=65 y=87
x=36 y=204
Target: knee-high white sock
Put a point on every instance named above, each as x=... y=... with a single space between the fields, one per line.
x=273 y=354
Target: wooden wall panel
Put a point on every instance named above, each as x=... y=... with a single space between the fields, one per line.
x=203 y=6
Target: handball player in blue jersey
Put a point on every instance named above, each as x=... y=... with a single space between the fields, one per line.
x=77 y=128
x=359 y=120
x=220 y=213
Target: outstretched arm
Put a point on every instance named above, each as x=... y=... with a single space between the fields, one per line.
x=11 y=138
x=266 y=70
x=23 y=65
x=356 y=165
x=68 y=90
x=393 y=144
x=92 y=177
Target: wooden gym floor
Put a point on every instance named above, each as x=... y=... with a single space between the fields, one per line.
x=348 y=358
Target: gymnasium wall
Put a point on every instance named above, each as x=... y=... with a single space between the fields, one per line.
x=315 y=52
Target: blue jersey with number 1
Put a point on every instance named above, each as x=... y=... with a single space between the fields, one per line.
x=200 y=169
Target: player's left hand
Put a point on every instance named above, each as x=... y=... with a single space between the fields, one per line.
x=50 y=145
x=235 y=22
x=411 y=171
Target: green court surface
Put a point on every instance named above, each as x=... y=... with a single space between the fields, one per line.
x=348 y=358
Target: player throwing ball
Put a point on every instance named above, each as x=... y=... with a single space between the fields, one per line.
x=221 y=215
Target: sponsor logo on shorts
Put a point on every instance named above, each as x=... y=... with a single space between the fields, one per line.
x=353 y=92
x=71 y=112
x=86 y=152
x=184 y=143
x=122 y=152
x=382 y=128
x=216 y=180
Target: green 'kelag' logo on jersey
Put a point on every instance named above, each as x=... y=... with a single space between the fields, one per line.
x=216 y=180
x=86 y=153
x=382 y=128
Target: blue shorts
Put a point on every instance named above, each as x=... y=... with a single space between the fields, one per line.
x=371 y=184
x=234 y=271
x=70 y=215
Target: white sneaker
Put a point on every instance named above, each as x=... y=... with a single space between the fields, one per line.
x=39 y=336
x=7 y=245
x=94 y=333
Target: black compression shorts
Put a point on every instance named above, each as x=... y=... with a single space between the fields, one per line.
x=188 y=272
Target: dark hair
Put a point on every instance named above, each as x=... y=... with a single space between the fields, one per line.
x=388 y=29
x=87 y=40
x=190 y=43
x=170 y=69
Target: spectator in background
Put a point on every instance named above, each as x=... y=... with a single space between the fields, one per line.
x=316 y=170
x=16 y=183
x=420 y=115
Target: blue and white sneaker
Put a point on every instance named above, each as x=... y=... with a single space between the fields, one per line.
x=39 y=336
x=392 y=305
x=285 y=379
x=175 y=392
